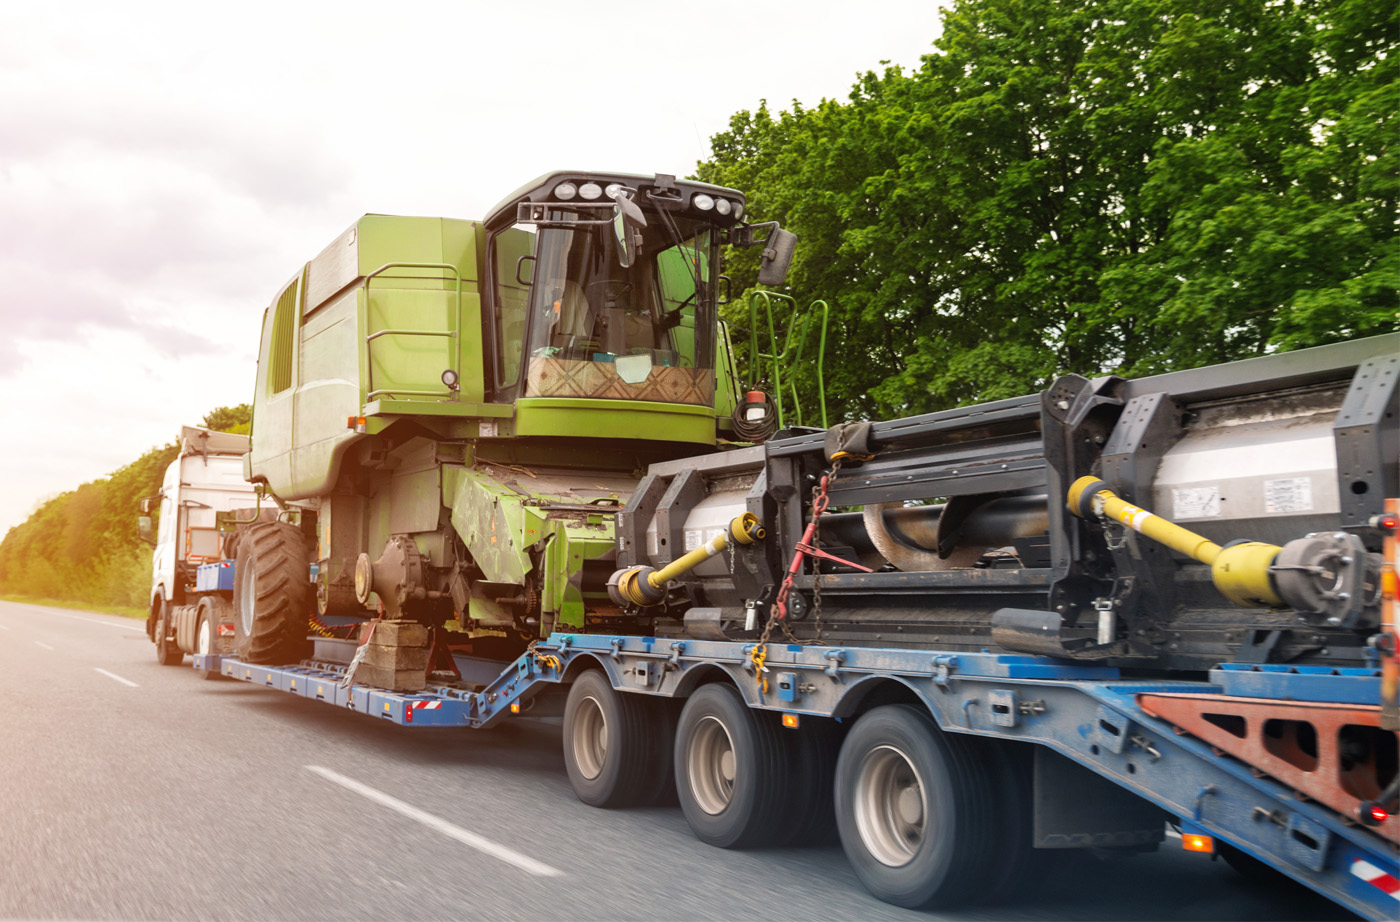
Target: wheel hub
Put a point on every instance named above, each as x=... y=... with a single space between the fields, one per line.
x=889 y=806
x=712 y=766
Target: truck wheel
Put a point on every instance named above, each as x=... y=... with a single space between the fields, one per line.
x=1020 y=868
x=916 y=815
x=731 y=764
x=167 y=653
x=609 y=739
x=811 y=808
x=272 y=595
x=206 y=635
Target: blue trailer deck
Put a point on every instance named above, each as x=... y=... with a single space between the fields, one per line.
x=1091 y=715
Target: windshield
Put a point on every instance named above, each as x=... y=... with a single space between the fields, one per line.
x=563 y=297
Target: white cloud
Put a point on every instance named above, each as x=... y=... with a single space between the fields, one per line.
x=165 y=167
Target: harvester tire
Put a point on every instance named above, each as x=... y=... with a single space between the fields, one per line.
x=731 y=768
x=917 y=815
x=167 y=652
x=272 y=595
x=609 y=738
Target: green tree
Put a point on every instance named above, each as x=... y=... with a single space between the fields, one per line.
x=82 y=546
x=1117 y=186
x=230 y=419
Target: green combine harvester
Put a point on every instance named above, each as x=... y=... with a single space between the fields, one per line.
x=449 y=414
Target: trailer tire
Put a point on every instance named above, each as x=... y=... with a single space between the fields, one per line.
x=1021 y=868
x=206 y=633
x=609 y=738
x=272 y=597
x=167 y=653
x=811 y=797
x=731 y=764
x=916 y=815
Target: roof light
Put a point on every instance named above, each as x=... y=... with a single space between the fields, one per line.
x=703 y=201
x=590 y=191
x=613 y=189
x=738 y=209
x=565 y=191
x=723 y=206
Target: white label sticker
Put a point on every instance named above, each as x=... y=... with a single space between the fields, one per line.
x=694 y=539
x=1293 y=494
x=1196 y=502
x=488 y=429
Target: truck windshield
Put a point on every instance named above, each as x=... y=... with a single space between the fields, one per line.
x=574 y=303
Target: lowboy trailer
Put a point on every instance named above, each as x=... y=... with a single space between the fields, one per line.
x=1040 y=656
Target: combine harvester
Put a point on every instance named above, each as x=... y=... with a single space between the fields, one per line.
x=516 y=473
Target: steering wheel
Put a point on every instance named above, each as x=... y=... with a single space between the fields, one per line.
x=612 y=290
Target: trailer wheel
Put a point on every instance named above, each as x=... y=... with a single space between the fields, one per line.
x=1020 y=868
x=206 y=636
x=272 y=595
x=915 y=813
x=731 y=764
x=609 y=741
x=811 y=808
x=167 y=653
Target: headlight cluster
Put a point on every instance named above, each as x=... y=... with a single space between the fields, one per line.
x=704 y=202
x=567 y=191
x=591 y=192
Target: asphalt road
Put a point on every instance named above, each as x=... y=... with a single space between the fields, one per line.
x=129 y=790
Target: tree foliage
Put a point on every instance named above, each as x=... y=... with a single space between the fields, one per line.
x=1120 y=186
x=82 y=546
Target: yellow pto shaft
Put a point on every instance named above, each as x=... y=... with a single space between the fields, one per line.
x=1240 y=571
x=647 y=586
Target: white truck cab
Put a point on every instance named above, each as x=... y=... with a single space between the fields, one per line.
x=205 y=480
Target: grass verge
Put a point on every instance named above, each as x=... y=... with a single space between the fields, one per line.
x=125 y=611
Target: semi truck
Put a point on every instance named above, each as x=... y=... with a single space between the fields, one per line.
x=957 y=641
x=202 y=494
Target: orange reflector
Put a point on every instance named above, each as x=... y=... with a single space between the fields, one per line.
x=790 y=721
x=1195 y=843
x=515 y=707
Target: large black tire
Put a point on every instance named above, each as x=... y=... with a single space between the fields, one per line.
x=1020 y=868
x=611 y=744
x=811 y=818
x=731 y=768
x=272 y=596
x=167 y=652
x=916 y=813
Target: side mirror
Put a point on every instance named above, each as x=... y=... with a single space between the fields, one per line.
x=628 y=221
x=143 y=528
x=773 y=265
x=146 y=505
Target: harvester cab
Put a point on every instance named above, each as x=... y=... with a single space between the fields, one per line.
x=605 y=288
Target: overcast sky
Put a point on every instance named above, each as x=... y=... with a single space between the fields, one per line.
x=165 y=167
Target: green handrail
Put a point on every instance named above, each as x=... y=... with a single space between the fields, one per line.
x=793 y=347
x=451 y=333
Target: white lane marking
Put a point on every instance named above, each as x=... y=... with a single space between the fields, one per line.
x=471 y=839
x=40 y=643
x=124 y=627
x=113 y=675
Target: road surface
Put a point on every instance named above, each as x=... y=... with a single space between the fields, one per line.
x=136 y=791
